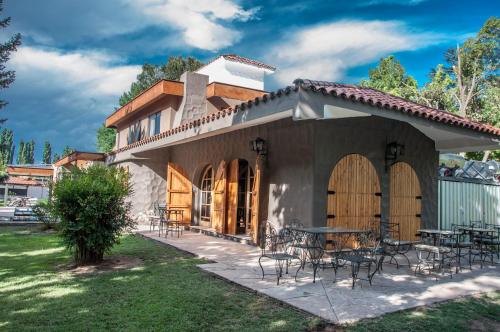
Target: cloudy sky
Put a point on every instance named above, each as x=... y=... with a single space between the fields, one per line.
x=79 y=56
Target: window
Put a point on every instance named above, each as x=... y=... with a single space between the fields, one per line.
x=154 y=124
x=206 y=195
x=135 y=133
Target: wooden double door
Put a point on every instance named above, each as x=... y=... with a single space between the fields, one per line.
x=354 y=196
x=235 y=196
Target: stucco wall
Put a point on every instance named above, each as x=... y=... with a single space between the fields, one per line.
x=301 y=156
x=368 y=137
x=148 y=181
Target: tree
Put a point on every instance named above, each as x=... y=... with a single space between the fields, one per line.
x=21 y=153
x=92 y=209
x=391 y=77
x=474 y=65
x=67 y=151
x=105 y=139
x=47 y=153
x=6 y=146
x=56 y=157
x=151 y=74
x=7 y=77
x=438 y=93
x=30 y=152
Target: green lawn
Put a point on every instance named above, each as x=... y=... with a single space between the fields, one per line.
x=168 y=292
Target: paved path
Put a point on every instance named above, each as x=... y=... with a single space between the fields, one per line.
x=393 y=290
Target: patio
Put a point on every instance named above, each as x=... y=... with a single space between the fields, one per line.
x=392 y=290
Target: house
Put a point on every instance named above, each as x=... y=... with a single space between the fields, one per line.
x=29 y=180
x=76 y=159
x=41 y=172
x=232 y=155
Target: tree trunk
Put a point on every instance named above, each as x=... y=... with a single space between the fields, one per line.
x=83 y=256
x=486 y=155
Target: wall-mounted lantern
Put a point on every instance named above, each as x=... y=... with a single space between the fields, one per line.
x=258 y=145
x=393 y=151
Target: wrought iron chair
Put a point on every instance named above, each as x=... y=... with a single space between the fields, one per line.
x=298 y=240
x=276 y=245
x=173 y=222
x=367 y=256
x=494 y=240
x=154 y=217
x=462 y=245
x=392 y=244
x=434 y=256
x=482 y=242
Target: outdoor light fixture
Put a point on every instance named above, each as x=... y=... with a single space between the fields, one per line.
x=392 y=151
x=258 y=145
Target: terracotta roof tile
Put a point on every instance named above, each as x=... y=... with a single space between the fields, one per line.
x=352 y=92
x=15 y=180
x=392 y=103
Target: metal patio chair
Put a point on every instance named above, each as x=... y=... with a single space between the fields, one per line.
x=392 y=244
x=494 y=240
x=173 y=222
x=463 y=246
x=298 y=240
x=433 y=256
x=276 y=245
x=367 y=256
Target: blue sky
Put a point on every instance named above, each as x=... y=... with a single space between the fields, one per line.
x=79 y=56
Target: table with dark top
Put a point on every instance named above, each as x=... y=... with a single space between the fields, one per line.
x=316 y=245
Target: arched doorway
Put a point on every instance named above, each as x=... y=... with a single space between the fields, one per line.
x=405 y=200
x=353 y=193
x=239 y=200
x=219 y=199
x=206 y=187
x=179 y=191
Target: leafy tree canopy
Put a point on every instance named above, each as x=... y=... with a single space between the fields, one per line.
x=105 y=139
x=7 y=77
x=391 y=77
x=151 y=74
x=67 y=151
x=47 y=153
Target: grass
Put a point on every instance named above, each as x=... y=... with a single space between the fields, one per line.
x=168 y=292
x=480 y=313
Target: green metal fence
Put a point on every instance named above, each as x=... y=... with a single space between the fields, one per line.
x=462 y=202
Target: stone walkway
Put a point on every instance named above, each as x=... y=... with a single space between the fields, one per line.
x=393 y=290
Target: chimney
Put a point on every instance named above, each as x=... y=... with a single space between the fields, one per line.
x=194 y=103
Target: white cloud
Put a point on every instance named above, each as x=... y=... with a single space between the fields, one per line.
x=201 y=23
x=395 y=2
x=89 y=74
x=326 y=51
x=63 y=96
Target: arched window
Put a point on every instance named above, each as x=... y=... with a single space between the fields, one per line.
x=206 y=194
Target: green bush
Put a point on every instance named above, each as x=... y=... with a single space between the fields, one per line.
x=43 y=212
x=93 y=213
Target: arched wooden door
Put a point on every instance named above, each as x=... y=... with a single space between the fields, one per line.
x=405 y=200
x=179 y=191
x=219 y=199
x=353 y=193
x=255 y=204
x=240 y=186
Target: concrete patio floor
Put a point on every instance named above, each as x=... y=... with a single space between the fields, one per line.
x=392 y=290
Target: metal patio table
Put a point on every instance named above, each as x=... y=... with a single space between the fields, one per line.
x=481 y=232
x=315 y=244
x=165 y=214
x=439 y=234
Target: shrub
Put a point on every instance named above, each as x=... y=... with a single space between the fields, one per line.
x=91 y=206
x=43 y=212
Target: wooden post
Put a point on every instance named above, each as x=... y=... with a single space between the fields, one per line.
x=6 y=194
